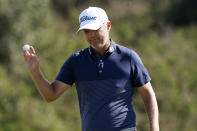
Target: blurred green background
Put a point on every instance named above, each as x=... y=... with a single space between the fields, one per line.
x=163 y=33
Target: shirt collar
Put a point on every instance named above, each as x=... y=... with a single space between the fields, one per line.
x=110 y=50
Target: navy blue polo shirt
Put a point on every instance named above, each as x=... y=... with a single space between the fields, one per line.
x=105 y=86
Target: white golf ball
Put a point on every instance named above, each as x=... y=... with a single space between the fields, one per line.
x=26 y=47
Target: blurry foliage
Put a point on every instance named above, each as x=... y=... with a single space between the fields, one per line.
x=187 y=9
x=163 y=33
x=65 y=7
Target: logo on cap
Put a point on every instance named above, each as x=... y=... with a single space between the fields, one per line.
x=84 y=18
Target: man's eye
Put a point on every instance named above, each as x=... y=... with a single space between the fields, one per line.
x=86 y=31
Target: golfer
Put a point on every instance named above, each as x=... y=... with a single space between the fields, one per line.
x=105 y=75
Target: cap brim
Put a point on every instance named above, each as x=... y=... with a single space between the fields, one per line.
x=90 y=26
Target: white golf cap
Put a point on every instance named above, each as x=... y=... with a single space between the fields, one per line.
x=92 y=18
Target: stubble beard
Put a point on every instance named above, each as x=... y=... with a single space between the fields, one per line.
x=101 y=45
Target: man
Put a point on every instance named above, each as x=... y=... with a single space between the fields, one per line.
x=105 y=75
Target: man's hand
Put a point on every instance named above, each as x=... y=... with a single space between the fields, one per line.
x=49 y=91
x=31 y=60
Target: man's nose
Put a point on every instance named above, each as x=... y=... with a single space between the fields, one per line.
x=92 y=33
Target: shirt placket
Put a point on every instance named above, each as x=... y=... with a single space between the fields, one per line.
x=100 y=67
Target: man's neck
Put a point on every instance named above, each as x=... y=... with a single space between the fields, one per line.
x=102 y=51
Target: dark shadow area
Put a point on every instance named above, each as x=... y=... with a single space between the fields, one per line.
x=182 y=12
x=4 y=47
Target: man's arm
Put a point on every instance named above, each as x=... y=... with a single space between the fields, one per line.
x=151 y=107
x=49 y=91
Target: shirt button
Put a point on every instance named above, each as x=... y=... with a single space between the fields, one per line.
x=111 y=49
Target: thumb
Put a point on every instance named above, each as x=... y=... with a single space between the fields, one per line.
x=32 y=50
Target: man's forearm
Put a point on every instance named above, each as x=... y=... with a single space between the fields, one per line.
x=43 y=86
x=152 y=111
x=48 y=91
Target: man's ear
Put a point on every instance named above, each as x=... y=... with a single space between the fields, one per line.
x=108 y=25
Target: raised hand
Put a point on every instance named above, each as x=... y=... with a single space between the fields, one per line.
x=31 y=60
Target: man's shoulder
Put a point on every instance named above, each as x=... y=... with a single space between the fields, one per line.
x=77 y=56
x=80 y=53
x=124 y=50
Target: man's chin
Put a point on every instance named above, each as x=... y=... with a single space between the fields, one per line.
x=97 y=45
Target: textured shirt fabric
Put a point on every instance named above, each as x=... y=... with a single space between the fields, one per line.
x=105 y=86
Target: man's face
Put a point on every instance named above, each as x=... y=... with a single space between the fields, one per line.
x=98 y=38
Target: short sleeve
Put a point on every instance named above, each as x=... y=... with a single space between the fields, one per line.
x=139 y=74
x=66 y=73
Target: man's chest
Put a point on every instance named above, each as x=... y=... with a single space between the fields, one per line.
x=102 y=69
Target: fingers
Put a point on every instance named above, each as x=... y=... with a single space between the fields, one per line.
x=28 y=54
x=25 y=54
x=32 y=50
